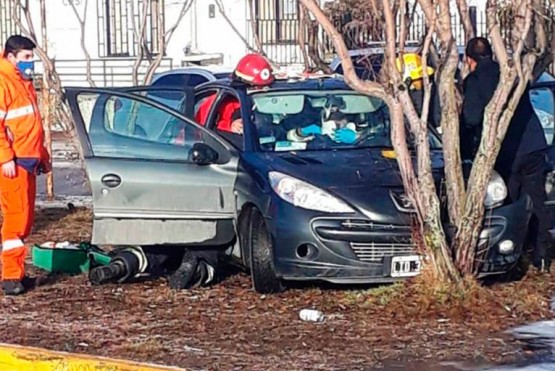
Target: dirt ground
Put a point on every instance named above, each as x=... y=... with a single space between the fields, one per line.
x=229 y=327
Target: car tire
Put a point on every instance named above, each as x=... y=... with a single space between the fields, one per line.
x=263 y=273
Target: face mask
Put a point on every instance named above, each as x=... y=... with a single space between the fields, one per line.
x=27 y=68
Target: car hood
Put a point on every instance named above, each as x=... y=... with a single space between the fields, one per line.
x=364 y=178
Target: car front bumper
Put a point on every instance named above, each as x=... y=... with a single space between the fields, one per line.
x=343 y=249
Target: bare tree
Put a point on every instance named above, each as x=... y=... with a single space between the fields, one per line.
x=46 y=103
x=257 y=48
x=452 y=261
x=83 y=27
x=163 y=38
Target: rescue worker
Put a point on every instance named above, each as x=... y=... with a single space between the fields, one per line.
x=22 y=157
x=478 y=89
x=413 y=77
x=521 y=160
x=197 y=267
x=254 y=70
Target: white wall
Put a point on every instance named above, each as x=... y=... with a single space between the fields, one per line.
x=215 y=35
x=63 y=30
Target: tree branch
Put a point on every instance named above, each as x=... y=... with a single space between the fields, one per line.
x=164 y=38
x=366 y=87
x=82 y=25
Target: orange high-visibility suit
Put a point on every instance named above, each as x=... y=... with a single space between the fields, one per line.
x=21 y=140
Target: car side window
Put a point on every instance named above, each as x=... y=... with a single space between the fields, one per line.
x=543 y=101
x=203 y=105
x=228 y=121
x=121 y=127
x=180 y=79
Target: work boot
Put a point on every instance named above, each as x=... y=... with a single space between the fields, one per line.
x=13 y=287
x=107 y=274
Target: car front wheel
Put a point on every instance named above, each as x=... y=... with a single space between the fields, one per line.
x=265 y=280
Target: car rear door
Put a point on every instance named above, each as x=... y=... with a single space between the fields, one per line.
x=542 y=96
x=147 y=190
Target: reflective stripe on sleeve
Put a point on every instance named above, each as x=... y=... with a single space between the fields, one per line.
x=20 y=112
x=12 y=244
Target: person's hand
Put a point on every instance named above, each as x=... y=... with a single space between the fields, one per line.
x=237 y=126
x=345 y=135
x=8 y=169
x=311 y=130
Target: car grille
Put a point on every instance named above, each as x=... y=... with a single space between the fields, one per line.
x=375 y=252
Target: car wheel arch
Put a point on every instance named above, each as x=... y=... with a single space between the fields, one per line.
x=244 y=225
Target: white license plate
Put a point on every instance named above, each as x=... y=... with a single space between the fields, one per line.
x=406 y=266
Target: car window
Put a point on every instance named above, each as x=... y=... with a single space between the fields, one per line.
x=543 y=102
x=203 y=105
x=227 y=121
x=322 y=120
x=174 y=79
x=196 y=79
x=180 y=79
x=121 y=127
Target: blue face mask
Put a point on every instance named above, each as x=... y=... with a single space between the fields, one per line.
x=27 y=68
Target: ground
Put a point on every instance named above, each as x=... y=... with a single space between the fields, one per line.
x=229 y=326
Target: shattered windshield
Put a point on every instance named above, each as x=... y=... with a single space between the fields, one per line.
x=322 y=120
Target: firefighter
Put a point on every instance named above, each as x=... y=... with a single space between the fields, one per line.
x=253 y=69
x=22 y=157
x=413 y=77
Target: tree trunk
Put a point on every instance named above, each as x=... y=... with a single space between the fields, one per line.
x=46 y=103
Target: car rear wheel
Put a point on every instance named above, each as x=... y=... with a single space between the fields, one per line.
x=265 y=280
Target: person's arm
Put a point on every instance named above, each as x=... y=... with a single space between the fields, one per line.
x=7 y=154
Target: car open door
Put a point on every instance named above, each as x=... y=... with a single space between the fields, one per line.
x=156 y=176
x=542 y=96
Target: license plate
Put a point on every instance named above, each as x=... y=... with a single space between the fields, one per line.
x=406 y=266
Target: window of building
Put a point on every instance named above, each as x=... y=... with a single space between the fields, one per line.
x=8 y=26
x=277 y=21
x=120 y=22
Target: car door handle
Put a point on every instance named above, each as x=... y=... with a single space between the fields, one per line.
x=111 y=180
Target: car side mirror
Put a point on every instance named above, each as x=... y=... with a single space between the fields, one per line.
x=203 y=154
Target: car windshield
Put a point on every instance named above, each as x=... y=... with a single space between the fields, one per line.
x=322 y=120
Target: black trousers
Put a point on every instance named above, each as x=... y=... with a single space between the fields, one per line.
x=527 y=176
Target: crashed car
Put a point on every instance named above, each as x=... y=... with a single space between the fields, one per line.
x=285 y=202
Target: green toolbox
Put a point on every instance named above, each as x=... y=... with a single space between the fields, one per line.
x=68 y=258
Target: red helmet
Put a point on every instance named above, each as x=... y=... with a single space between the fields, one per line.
x=254 y=69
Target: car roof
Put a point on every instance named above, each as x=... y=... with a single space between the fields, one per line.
x=321 y=83
x=201 y=70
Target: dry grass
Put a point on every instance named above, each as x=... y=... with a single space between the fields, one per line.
x=228 y=326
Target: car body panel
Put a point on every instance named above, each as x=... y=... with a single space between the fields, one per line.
x=146 y=192
x=543 y=100
x=351 y=248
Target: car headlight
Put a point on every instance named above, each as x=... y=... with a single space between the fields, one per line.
x=302 y=194
x=496 y=192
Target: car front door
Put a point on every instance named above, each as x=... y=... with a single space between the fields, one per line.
x=542 y=96
x=156 y=176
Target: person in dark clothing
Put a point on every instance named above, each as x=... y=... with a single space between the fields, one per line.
x=478 y=89
x=521 y=160
x=413 y=76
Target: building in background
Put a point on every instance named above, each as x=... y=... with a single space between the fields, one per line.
x=203 y=36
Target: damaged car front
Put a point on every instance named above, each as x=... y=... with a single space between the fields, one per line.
x=331 y=207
